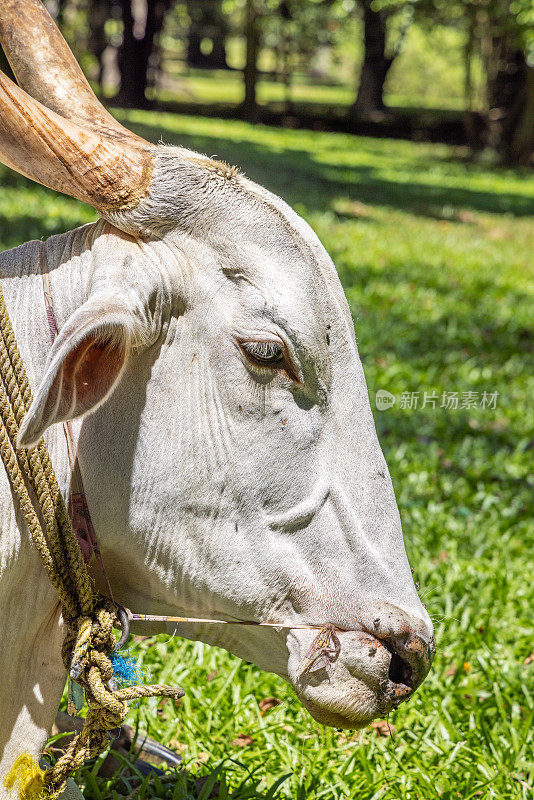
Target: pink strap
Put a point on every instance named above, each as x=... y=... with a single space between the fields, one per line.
x=78 y=507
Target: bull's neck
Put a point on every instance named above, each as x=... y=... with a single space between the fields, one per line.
x=67 y=260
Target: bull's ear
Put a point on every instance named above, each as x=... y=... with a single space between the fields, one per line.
x=84 y=366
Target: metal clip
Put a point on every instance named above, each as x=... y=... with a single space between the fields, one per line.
x=124 y=622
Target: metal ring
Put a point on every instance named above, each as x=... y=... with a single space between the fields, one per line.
x=124 y=623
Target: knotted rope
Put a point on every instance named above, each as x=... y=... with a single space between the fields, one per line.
x=89 y=617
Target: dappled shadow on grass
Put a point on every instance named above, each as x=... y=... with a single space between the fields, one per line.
x=463 y=343
x=444 y=427
x=297 y=169
x=490 y=340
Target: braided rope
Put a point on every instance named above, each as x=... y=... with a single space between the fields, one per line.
x=89 y=617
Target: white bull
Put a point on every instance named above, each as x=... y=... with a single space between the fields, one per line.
x=230 y=458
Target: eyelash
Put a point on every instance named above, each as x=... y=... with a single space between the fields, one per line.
x=266 y=353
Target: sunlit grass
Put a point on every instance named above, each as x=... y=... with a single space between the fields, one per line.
x=435 y=255
x=222 y=86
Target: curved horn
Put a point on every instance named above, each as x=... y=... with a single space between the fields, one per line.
x=62 y=155
x=46 y=68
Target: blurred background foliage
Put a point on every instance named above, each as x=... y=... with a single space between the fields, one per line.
x=456 y=71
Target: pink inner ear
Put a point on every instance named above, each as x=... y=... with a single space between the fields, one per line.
x=88 y=374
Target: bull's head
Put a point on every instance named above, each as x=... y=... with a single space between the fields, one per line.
x=231 y=461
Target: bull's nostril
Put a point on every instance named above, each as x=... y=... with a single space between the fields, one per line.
x=400 y=671
x=411 y=656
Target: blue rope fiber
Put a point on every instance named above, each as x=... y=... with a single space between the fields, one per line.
x=125 y=669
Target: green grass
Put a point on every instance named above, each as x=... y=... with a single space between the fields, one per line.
x=218 y=86
x=206 y=88
x=435 y=255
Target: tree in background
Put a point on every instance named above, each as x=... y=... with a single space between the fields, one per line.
x=209 y=25
x=138 y=56
x=508 y=31
x=296 y=30
x=379 y=52
x=280 y=31
x=286 y=35
x=501 y=34
x=97 y=43
x=252 y=31
x=139 y=23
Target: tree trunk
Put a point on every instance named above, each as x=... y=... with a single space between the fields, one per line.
x=511 y=103
x=376 y=65
x=136 y=54
x=217 y=57
x=97 y=40
x=250 y=72
x=287 y=75
x=194 y=57
x=522 y=144
x=207 y=22
x=468 y=63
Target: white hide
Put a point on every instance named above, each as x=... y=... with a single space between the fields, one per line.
x=217 y=488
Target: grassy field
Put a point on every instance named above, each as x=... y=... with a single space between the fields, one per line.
x=435 y=255
x=214 y=87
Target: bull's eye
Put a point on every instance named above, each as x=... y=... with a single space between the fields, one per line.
x=266 y=353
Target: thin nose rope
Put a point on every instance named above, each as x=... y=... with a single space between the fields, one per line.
x=321 y=654
x=200 y=620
